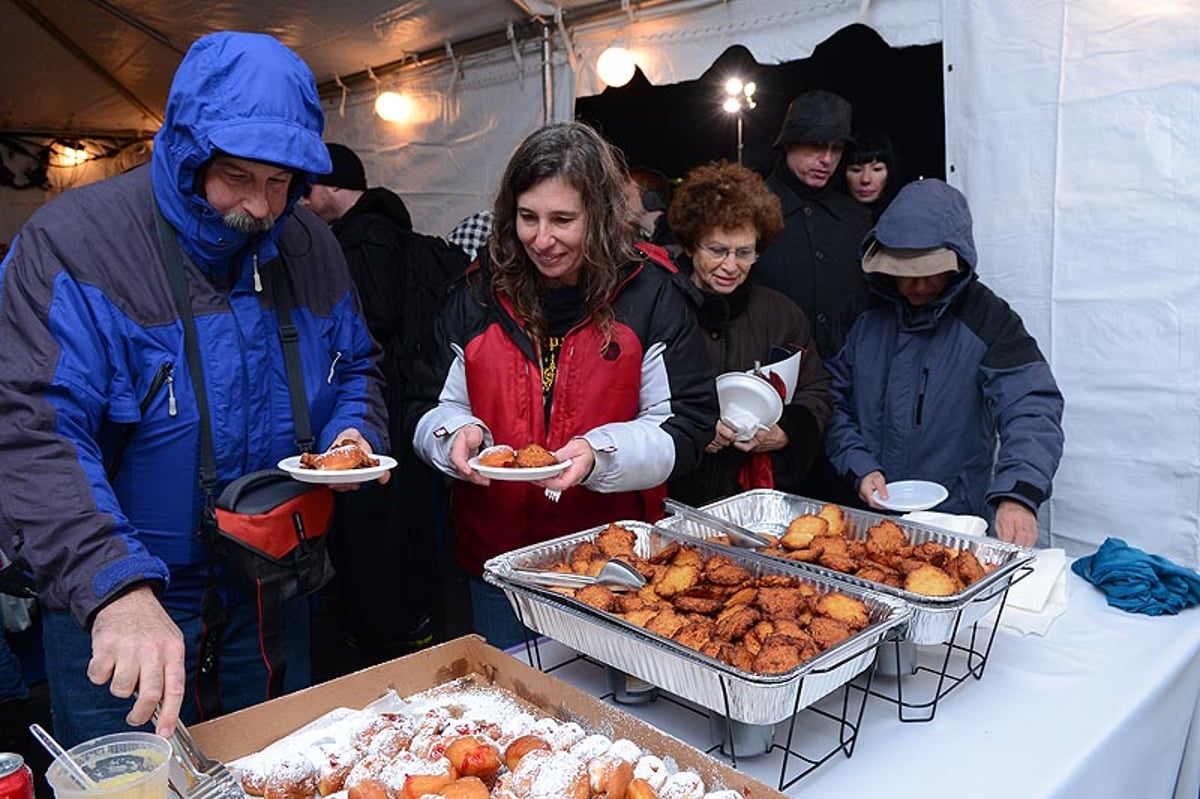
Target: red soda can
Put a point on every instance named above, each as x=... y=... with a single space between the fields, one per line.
x=16 y=780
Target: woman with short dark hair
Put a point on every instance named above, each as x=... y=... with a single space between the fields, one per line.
x=871 y=174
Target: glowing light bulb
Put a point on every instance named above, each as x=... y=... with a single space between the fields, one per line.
x=732 y=105
x=616 y=66
x=393 y=107
x=733 y=87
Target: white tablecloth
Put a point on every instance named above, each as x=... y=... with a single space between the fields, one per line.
x=1106 y=705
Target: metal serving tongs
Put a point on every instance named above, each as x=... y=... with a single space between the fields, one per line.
x=616 y=574
x=207 y=778
x=738 y=536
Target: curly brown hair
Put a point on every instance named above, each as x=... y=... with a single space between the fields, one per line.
x=580 y=157
x=724 y=195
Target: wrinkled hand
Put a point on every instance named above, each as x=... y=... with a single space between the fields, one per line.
x=1016 y=523
x=137 y=648
x=354 y=435
x=467 y=441
x=583 y=458
x=725 y=435
x=875 y=481
x=769 y=440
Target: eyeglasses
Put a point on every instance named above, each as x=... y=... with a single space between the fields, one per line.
x=743 y=255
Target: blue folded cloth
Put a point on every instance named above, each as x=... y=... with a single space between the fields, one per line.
x=1137 y=582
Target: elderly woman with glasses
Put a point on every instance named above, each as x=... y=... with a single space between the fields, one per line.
x=723 y=216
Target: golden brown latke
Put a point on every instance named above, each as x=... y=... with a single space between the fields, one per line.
x=930 y=581
x=532 y=456
x=712 y=603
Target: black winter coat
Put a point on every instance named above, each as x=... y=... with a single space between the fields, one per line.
x=816 y=261
x=739 y=329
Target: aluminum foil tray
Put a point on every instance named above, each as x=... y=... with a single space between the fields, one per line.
x=935 y=620
x=744 y=696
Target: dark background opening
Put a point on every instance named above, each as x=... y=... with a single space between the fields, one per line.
x=673 y=128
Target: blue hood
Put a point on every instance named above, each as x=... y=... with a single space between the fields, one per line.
x=249 y=96
x=926 y=214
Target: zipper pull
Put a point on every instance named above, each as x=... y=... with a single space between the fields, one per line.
x=336 y=357
x=172 y=408
x=257 y=277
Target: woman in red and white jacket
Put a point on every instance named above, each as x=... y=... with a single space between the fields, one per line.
x=566 y=335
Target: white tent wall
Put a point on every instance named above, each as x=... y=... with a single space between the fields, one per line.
x=446 y=162
x=1071 y=127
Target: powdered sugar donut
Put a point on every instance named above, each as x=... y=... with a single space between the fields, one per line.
x=609 y=776
x=591 y=746
x=651 y=769
x=293 y=777
x=549 y=775
x=626 y=750
x=566 y=736
x=682 y=785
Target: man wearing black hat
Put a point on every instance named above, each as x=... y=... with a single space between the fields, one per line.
x=385 y=550
x=815 y=261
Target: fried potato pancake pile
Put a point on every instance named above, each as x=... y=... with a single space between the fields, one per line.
x=714 y=605
x=886 y=556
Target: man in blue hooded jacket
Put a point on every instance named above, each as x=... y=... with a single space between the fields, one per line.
x=94 y=354
x=939 y=379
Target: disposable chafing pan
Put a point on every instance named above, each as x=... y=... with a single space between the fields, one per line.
x=934 y=620
x=743 y=696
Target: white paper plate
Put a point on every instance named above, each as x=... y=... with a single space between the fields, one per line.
x=906 y=495
x=337 y=476
x=742 y=397
x=515 y=474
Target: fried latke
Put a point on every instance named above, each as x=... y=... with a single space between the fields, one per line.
x=828 y=632
x=777 y=656
x=598 y=596
x=835 y=517
x=885 y=538
x=845 y=609
x=532 y=456
x=930 y=581
x=780 y=602
x=968 y=566
x=802 y=530
x=734 y=623
x=722 y=570
x=616 y=541
x=676 y=580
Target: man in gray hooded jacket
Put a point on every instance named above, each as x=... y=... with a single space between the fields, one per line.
x=939 y=370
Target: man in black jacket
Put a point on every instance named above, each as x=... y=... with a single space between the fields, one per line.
x=386 y=549
x=815 y=262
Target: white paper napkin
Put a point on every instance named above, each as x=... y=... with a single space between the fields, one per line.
x=965 y=525
x=1038 y=599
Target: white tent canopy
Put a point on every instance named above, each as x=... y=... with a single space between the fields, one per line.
x=1070 y=128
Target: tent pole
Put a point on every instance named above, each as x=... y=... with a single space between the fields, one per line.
x=547 y=77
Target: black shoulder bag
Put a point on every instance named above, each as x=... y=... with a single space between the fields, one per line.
x=269 y=530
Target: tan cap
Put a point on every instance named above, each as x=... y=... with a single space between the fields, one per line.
x=909 y=263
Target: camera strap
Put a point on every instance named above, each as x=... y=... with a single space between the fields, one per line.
x=269 y=601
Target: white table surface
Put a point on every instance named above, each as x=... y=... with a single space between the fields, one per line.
x=1107 y=704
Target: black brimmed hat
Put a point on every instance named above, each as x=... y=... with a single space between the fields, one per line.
x=816 y=116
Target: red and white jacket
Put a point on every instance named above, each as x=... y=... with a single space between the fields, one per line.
x=646 y=403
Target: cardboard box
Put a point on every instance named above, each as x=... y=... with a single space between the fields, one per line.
x=246 y=731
